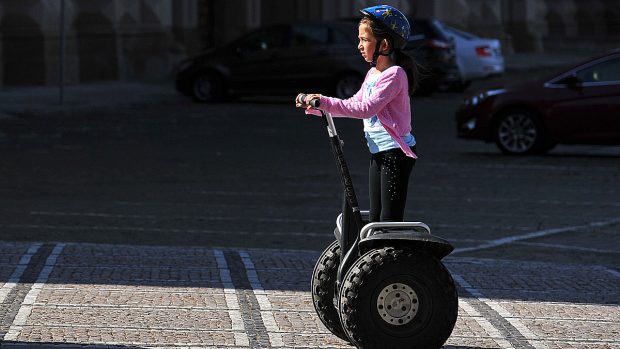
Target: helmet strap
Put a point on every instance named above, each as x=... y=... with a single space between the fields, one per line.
x=377 y=53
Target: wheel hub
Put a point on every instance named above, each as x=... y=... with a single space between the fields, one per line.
x=397 y=304
x=517 y=133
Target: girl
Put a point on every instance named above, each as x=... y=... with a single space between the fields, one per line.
x=383 y=102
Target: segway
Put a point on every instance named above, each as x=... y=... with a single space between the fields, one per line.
x=382 y=284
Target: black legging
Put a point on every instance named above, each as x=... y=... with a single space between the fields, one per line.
x=388 y=182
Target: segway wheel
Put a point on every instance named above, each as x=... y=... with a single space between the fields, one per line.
x=323 y=289
x=398 y=298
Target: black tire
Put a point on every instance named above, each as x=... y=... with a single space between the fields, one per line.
x=520 y=132
x=347 y=85
x=207 y=87
x=418 y=283
x=323 y=289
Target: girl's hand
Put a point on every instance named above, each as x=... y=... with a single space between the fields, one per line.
x=306 y=102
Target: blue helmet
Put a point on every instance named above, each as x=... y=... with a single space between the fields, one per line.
x=391 y=18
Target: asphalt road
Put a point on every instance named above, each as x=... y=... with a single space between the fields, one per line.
x=235 y=202
x=261 y=174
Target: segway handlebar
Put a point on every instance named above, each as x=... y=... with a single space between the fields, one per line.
x=316 y=104
x=301 y=98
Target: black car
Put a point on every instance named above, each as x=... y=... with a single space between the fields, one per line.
x=275 y=60
x=435 y=53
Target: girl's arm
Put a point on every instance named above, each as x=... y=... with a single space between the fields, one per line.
x=388 y=86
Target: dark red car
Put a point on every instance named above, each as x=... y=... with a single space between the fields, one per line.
x=577 y=106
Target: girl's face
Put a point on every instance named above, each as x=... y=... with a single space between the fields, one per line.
x=367 y=42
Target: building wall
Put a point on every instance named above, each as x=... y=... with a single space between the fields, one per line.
x=534 y=25
x=105 y=39
x=521 y=25
x=144 y=39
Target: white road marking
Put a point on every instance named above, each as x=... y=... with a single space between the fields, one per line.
x=567 y=247
x=536 y=234
x=514 y=321
x=276 y=338
x=488 y=327
x=18 y=272
x=275 y=335
x=612 y=272
x=31 y=297
x=232 y=301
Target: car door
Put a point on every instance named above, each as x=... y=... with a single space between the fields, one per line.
x=589 y=111
x=255 y=65
x=305 y=63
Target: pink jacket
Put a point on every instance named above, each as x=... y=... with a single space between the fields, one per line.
x=389 y=101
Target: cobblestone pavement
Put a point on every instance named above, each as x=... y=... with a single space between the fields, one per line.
x=120 y=296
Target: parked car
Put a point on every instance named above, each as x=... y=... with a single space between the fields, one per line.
x=476 y=57
x=280 y=59
x=435 y=54
x=580 y=105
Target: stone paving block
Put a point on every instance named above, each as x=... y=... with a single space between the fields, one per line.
x=298 y=322
x=104 y=295
x=6 y=270
x=295 y=340
x=539 y=281
x=457 y=341
x=151 y=256
x=579 y=345
x=180 y=277
x=133 y=288
x=299 y=260
x=135 y=318
x=161 y=297
x=163 y=252
x=574 y=330
x=129 y=337
x=285 y=280
x=570 y=311
x=302 y=302
x=468 y=327
x=10 y=254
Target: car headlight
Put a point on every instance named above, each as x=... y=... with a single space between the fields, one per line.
x=184 y=65
x=470 y=124
x=477 y=99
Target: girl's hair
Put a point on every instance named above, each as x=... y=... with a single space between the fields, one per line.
x=400 y=58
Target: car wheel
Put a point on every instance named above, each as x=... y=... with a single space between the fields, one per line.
x=398 y=298
x=323 y=286
x=520 y=132
x=208 y=87
x=347 y=85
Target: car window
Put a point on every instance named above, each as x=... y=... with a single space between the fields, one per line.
x=461 y=34
x=264 y=39
x=425 y=29
x=601 y=72
x=306 y=35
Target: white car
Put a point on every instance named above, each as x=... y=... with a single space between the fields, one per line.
x=476 y=57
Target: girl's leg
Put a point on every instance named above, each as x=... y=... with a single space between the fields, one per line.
x=395 y=171
x=374 y=187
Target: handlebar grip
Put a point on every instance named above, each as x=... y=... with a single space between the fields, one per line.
x=301 y=98
x=315 y=103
